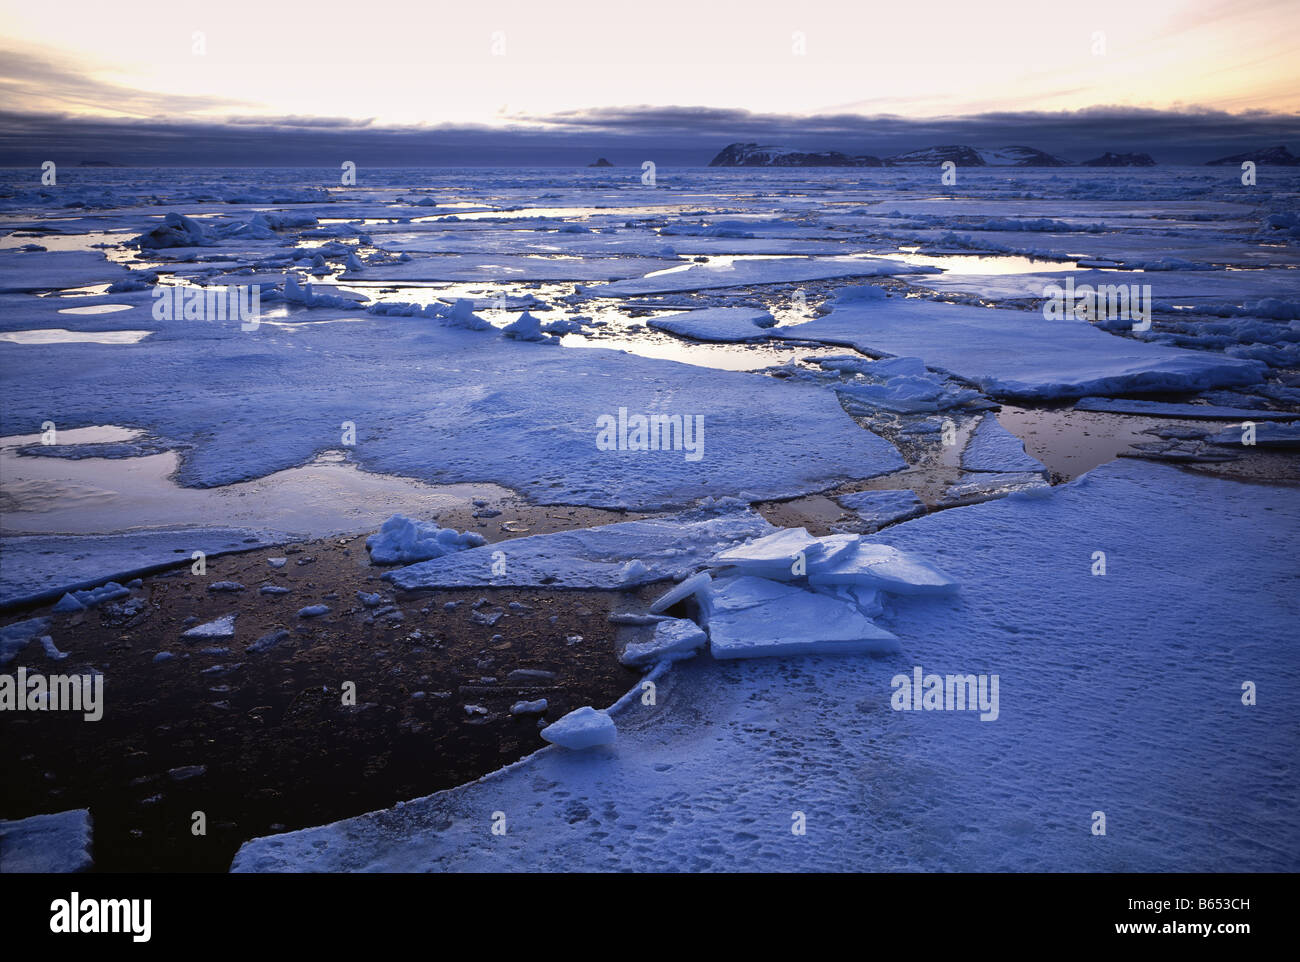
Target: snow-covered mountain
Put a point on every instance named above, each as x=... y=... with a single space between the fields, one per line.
x=1109 y=159
x=757 y=155
x=1277 y=156
x=965 y=156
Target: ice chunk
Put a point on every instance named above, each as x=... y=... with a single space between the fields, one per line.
x=526 y=328
x=14 y=638
x=401 y=539
x=537 y=707
x=880 y=566
x=221 y=628
x=46 y=843
x=728 y=324
x=774 y=556
x=672 y=640
x=750 y=617
x=696 y=582
x=993 y=448
x=581 y=728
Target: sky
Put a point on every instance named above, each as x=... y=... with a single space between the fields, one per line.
x=590 y=68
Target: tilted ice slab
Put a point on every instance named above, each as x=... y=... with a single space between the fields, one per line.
x=46 y=843
x=1019 y=353
x=745 y=273
x=726 y=324
x=42 y=567
x=445 y=405
x=621 y=555
x=1119 y=693
x=56 y=270
x=993 y=448
x=750 y=617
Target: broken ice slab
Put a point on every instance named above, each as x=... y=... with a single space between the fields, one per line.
x=1164 y=409
x=685 y=589
x=879 y=508
x=593 y=558
x=1011 y=353
x=883 y=567
x=1264 y=434
x=773 y=556
x=993 y=448
x=43 y=567
x=750 y=617
x=671 y=640
x=980 y=486
x=15 y=637
x=581 y=728
x=46 y=843
x=724 y=324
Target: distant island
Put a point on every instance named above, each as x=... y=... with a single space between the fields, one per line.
x=1277 y=156
x=602 y=162
x=1109 y=159
x=759 y=155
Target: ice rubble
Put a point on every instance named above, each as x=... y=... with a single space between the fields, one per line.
x=90 y=598
x=856 y=769
x=401 y=540
x=993 y=448
x=497 y=269
x=41 y=844
x=1019 y=354
x=593 y=558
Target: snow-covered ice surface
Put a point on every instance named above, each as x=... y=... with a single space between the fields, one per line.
x=47 y=843
x=1019 y=354
x=993 y=448
x=42 y=567
x=1119 y=693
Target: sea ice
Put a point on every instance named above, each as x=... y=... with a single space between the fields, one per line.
x=42 y=844
x=993 y=448
x=580 y=729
